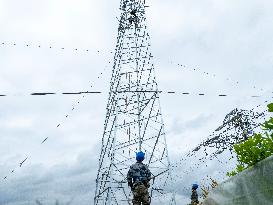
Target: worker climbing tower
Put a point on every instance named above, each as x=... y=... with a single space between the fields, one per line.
x=133 y=115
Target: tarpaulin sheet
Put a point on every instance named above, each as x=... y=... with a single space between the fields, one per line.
x=253 y=186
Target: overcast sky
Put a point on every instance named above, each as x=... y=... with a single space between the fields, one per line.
x=231 y=40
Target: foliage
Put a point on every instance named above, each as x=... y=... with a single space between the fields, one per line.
x=270 y=107
x=256 y=148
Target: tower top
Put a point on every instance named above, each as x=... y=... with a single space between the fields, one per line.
x=129 y=5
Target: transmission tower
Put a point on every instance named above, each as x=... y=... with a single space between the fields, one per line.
x=133 y=115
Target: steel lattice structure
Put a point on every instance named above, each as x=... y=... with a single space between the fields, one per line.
x=237 y=126
x=133 y=115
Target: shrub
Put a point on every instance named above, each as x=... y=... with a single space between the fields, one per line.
x=256 y=148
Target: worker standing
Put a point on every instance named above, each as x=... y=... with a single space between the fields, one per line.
x=194 y=195
x=138 y=178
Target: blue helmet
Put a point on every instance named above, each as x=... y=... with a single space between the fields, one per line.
x=195 y=186
x=140 y=156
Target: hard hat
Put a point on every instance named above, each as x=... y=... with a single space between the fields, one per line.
x=195 y=186
x=140 y=156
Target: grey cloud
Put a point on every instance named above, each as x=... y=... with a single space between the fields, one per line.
x=59 y=182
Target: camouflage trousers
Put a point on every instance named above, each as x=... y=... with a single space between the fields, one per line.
x=141 y=195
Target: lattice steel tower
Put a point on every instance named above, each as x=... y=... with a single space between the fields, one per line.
x=133 y=118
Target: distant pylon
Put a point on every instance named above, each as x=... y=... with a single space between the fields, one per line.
x=133 y=115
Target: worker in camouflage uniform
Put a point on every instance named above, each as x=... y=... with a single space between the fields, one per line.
x=194 y=195
x=138 y=178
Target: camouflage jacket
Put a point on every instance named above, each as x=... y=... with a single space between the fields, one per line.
x=138 y=173
x=194 y=196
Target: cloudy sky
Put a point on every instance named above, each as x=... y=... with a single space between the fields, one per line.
x=229 y=40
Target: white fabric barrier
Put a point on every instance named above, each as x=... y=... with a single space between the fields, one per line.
x=253 y=186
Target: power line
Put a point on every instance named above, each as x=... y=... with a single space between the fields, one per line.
x=58 y=125
x=183 y=66
x=197 y=69
x=39 y=46
x=99 y=51
x=139 y=91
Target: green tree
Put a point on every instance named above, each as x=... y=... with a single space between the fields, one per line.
x=256 y=148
